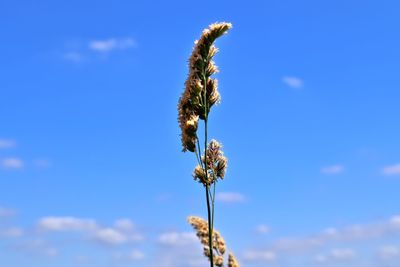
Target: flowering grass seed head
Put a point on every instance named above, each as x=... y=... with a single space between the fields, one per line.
x=232 y=261
x=201 y=91
x=216 y=164
x=201 y=227
x=219 y=261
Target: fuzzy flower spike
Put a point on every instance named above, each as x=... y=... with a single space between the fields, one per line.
x=219 y=246
x=201 y=91
x=216 y=165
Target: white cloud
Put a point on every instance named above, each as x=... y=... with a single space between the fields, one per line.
x=293 y=82
x=37 y=247
x=82 y=259
x=7 y=143
x=259 y=256
x=133 y=255
x=297 y=244
x=395 y=221
x=12 y=163
x=342 y=254
x=263 y=229
x=51 y=252
x=230 y=197
x=330 y=232
x=5 y=212
x=392 y=170
x=335 y=255
x=320 y=258
x=357 y=232
x=177 y=238
x=121 y=233
x=66 y=224
x=124 y=225
x=107 y=45
x=110 y=236
x=178 y=249
x=11 y=232
x=136 y=255
x=389 y=252
x=334 y=169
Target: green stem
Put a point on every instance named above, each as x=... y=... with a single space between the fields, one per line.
x=198 y=153
x=210 y=220
x=213 y=202
x=210 y=229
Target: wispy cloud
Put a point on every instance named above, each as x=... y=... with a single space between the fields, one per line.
x=6 y=212
x=107 y=45
x=259 y=256
x=178 y=249
x=392 y=170
x=11 y=232
x=124 y=225
x=334 y=169
x=110 y=236
x=320 y=258
x=262 y=229
x=369 y=231
x=113 y=237
x=230 y=197
x=37 y=247
x=336 y=254
x=133 y=255
x=11 y=163
x=85 y=51
x=342 y=254
x=293 y=82
x=122 y=232
x=389 y=252
x=66 y=224
x=7 y=143
x=177 y=238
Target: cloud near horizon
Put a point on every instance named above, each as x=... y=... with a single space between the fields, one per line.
x=7 y=212
x=7 y=143
x=122 y=232
x=336 y=254
x=170 y=243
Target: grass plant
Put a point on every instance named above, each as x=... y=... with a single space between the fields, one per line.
x=200 y=94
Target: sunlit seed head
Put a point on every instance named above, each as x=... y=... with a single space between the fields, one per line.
x=201 y=67
x=219 y=260
x=232 y=261
x=199 y=174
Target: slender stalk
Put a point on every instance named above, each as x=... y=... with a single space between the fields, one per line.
x=210 y=229
x=213 y=202
x=198 y=152
x=210 y=220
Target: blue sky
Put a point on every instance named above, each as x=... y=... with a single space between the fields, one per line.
x=91 y=168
